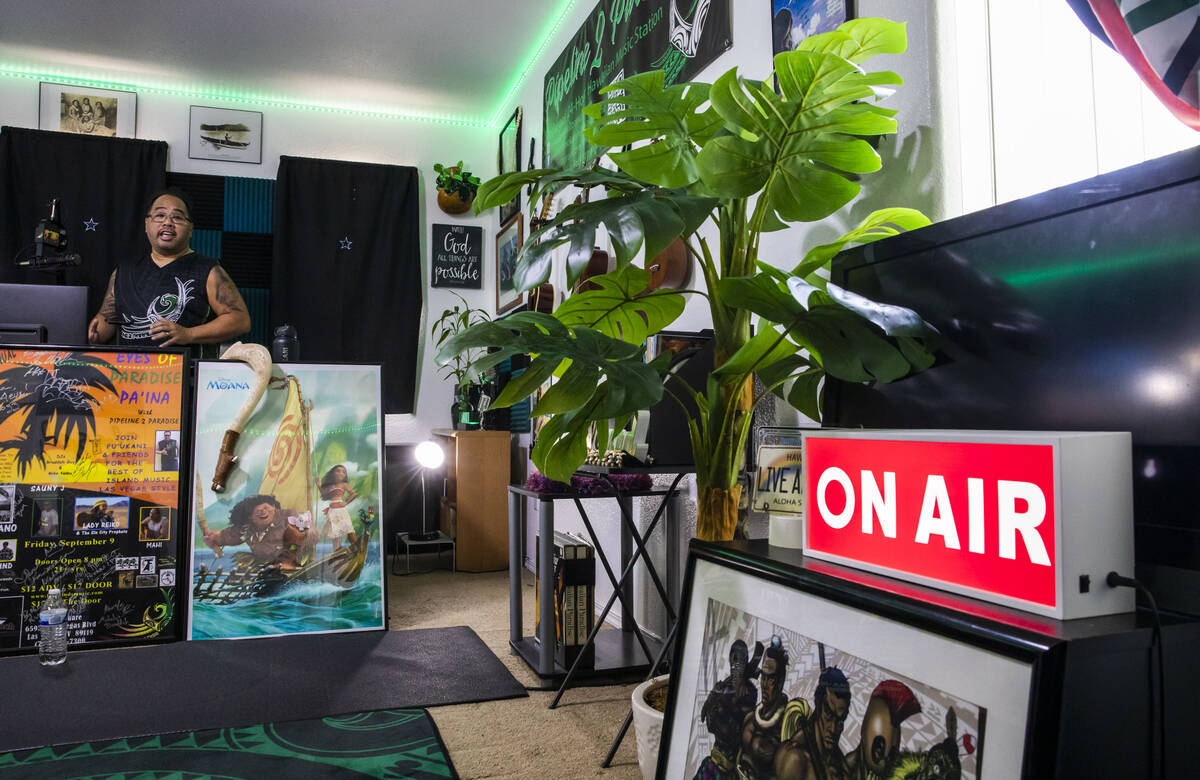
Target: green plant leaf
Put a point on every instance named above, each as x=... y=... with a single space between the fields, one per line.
x=766 y=347
x=761 y=295
x=525 y=384
x=663 y=123
x=774 y=375
x=860 y=39
x=849 y=348
x=570 y=392
x=804 y=393
x=878 y=224
x=630 y=385
x=621 y=308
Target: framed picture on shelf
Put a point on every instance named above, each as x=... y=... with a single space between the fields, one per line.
x=794 y=20
x=826 y=664
x=225 y=134
x=508 y=160
x=86 y=110
x=508 y=244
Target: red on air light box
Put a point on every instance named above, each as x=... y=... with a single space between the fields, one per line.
x=1028 y=519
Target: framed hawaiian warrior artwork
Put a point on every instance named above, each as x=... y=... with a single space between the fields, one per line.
x=285 y=539
x=776 y=680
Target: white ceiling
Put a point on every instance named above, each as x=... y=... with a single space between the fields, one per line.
x=445 y=58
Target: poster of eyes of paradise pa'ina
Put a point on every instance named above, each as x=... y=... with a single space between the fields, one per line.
x=291 y=543
x=89 y=492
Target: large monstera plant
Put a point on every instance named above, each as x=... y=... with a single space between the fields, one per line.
x=751 y=160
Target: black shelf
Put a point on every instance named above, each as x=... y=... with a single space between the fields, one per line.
x=619 y=659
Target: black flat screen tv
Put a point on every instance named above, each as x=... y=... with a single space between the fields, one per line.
x=1074 y=309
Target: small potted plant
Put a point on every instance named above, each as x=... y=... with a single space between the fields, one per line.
x=456 y=187
x=464 y=414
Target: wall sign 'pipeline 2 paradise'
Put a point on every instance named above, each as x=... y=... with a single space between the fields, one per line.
x=1031 y=520
x=89 y=492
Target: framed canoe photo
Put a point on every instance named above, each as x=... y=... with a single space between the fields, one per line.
x=225 y=134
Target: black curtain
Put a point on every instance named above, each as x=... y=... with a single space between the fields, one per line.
x=347 y=266
x=101 y=183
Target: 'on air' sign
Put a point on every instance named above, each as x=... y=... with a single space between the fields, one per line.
x=1031 y=520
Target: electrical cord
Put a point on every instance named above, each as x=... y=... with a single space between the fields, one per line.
x=1157 y=734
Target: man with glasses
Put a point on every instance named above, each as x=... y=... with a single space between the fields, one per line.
x=171 y=296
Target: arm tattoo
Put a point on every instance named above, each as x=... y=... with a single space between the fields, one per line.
x=227 y=293
x=108 y=309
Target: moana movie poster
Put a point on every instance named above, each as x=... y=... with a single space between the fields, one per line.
x=89 y=492
x=774 y=702
x=291 y=543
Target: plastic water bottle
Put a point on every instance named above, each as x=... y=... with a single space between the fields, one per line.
x=52 y=630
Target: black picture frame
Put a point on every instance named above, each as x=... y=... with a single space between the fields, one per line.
x=508 y=159
x=508 y=246
x=225 y=134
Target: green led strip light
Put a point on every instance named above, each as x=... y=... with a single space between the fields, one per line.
x=502 y=111
x=228 y=96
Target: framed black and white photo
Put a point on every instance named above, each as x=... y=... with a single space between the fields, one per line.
x=87 y=110
x=509 y=160
x=225 y=134
x=794 y=20
x=508 y=244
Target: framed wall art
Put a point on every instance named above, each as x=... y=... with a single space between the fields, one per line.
x=794 y=20
x=822 y=665
x=292 y=543
x=508 y=244
x=509 y=160
x=225 y=134
x=87 y=110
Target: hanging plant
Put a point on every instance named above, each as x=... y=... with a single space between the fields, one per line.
x=456 y=187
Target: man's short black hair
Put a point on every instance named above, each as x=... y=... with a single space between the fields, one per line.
x=174 y=192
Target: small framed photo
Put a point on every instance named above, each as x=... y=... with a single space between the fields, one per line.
x=508 y=244
x=508 y=160
x=87 y=110
x=225 y=134
x=794 y=20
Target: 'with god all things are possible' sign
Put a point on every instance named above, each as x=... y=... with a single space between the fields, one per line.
x=457 y=256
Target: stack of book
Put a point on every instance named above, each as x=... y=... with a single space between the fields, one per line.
x=574 y=597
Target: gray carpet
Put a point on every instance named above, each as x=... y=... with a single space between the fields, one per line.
x=182 y=686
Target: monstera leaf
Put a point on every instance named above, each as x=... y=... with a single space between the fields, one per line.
x=605 y=378
x=664 y=124
x=622 y=308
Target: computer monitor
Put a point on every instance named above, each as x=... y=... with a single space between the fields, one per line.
x=22 y=333
x=60 y=309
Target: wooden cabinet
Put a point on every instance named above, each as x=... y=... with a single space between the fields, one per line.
x=476 y=502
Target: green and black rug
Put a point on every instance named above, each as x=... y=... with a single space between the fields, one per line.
x=379 y=744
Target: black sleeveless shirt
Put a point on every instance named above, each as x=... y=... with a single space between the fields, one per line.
x=144 y=293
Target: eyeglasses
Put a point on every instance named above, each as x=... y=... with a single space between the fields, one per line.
x=174 y=219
